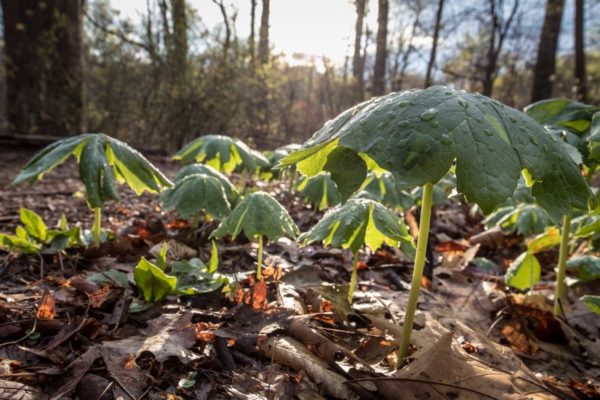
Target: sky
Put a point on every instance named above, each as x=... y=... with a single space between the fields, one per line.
x=315 y=27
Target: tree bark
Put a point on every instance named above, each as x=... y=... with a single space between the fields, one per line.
x=436 y=35
x=545 y=66
x=44 y=66
x=580 y=72
x=381 y=50
x=358 y=61
x=263 y=40
x=180 y=44
x=252 y=38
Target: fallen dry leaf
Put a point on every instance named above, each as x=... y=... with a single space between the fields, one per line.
x=47 y=307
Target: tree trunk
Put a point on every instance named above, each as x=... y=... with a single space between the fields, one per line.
x=180 y=45
x=252 y=38
x=436 y=35
x=44 y=66
x=358 y=62
x=580 y=73
x=263 y=40
x=545 y=66
x=381 y=51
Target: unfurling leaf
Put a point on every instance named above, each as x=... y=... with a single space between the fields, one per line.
x=524 y=272
x=152 y=281
x=593 y=303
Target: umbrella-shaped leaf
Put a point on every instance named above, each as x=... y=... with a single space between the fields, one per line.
x=152 y=281
x=320 y=191
x=524 y=272
x=588 y=266
x=222 y=153
x=562 y=112
x=360 y=221
x=259 y=214
x=197 y=192
x=190 y=169
x=417 y=135
x=101 y=160
x=593 y=303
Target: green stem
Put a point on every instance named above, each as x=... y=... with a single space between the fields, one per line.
x=415 y=286
x=260 y=258
x=97 y=229
x=559 y=297
x=590 y=173
x=353 y=277
x=195 y=221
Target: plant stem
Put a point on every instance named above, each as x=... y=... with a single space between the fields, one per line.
x=415 y=286
x=260 y=258
x=559 y=296
x=97 y=226
x=353 y=277
x=195 y=221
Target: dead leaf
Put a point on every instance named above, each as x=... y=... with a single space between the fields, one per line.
x=47 y=307
x=259 y=295
x=10 y=390
x=78 y=369
x=98 y=297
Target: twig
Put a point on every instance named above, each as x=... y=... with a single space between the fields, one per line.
x=31 y=332
x=106 y=389
x=123 y=387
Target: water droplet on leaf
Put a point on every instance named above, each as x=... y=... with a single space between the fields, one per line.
x=429 y=114
x=488 y=132
x=446 y=139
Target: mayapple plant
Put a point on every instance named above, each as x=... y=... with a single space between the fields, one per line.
x=223 y=153
x=258 y=215
x=357 y=222
x=320 y=191
x=577 y=126
x=419 y=135
x=102 y=160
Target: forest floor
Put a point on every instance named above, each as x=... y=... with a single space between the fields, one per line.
x=69 y=331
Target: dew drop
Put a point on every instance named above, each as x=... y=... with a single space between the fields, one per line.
x=435 y=124
x=448 y=93
x=463 y=103
x=402 y=103
x=429 y=114
x=534 y=140
x=545 y=148
x=488 y=132
x=446 y=139
x=403 y=124
x=511 y=118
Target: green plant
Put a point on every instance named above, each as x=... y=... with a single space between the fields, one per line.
x=191 y=169
x=419 y=134
x=357 y=222
x=197 y=192
x=188 y=277
x=102 y=159
x=320 y=191
x=269 y=172
x=258 y=215
x=223 y=153
x=577 y=127
x=593 y=303
x=33 y=235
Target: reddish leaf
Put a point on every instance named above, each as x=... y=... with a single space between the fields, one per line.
x=259 y=295
x=99 y=297
x=47 y=307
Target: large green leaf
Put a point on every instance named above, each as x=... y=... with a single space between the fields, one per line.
x=154 y=284
x=101 y=159
x=594 y=138
x=222 y=153
x=190 y=169
x=19 y=244
x=417 y=135
x=562 y=112
x=197 y=192
x=320 y=191
x=524 y=272
x=588 y=266
x=360 y=221
x=524 y=219
x=258 y=214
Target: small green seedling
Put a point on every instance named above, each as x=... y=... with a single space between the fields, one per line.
x=33 y=236
x=269 y=172
x=258 y=215
x=188 y=277
x=418 y=135
x=593 y=303
x=102 y=159
x=197 y=192
x=223 y=153
x=576 y=127
x=320 y=191
x=357 y=222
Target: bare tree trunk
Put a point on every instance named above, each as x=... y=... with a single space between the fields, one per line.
x=263 y=40
x=358 y=62
x=545 y=66
x=252 y=38
x=180 y=45
x=44 y=66
x=436 y=35
x=227 y=41
x=381 y=51
x=580 y=73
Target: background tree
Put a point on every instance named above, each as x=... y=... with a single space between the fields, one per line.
x=434 y=42
x=580 y=72
x=381 y=51
x=43 y=66
x=358 y=61
x=545 y=66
